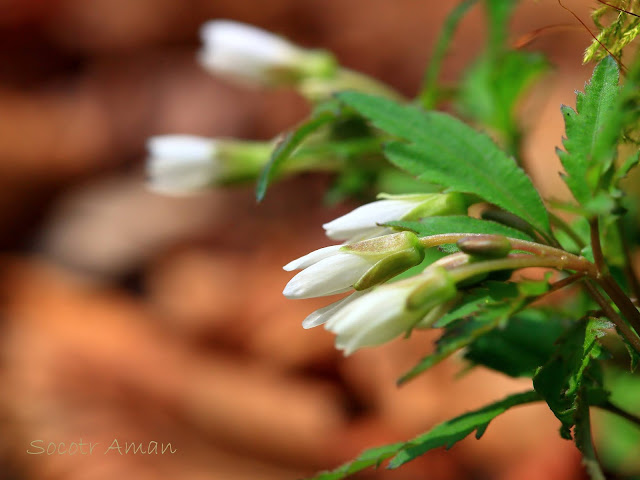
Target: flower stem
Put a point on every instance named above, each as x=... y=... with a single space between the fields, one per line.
x=610 y=407
x=516 y=244
x=517 y=261
x=611 y=314
x=596 y=247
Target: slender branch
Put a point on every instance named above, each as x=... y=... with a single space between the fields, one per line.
x=622 y=301
x=610 y=407
x=596 y=247
x=516 y=244
x=517 y=261
x=611 y=314
x=560 y=284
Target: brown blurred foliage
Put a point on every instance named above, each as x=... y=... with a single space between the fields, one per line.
x=130 y=316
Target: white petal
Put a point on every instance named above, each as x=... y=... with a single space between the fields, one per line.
x=311 y=258
x=372 y=320
x=367 y=217
x=181 y=163
x=181 y=146
x=243 y=50
x=324 y=314
x=334 y=274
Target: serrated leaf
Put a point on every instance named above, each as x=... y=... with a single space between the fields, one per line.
x=560 y=379
x=592 y=131
x=457 y=224
x=369 y=458
x=324 y=115
x=446 y=151
x=518 y=349
x=445 y=435
x=448 y=433
x=463 y=164
x=482 y=310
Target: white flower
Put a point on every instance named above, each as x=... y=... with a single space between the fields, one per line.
x=364 y=222
x=323 y=315
x=389 y=311
x=179 y=164
x=327 y=271
x=248 y=53
x=361 y=265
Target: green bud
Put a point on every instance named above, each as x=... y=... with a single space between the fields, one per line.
x=436 y=288
x=393 y=254
x=486 y=246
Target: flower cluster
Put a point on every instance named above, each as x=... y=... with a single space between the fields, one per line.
x=374 y=313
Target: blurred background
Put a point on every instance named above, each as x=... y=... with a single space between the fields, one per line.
x=131 y=316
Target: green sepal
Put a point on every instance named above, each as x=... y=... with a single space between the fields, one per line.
x=396 y=253
x=437 y=288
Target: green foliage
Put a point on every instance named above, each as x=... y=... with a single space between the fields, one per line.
x=618 y=439
x=614 y=37
x=481 y=310
x=445 y=151
x=443 y=435
x=518 y=349
x=457 y=224
x=570 y=370
x=592 y=132
x=492 y=87
x=293 y=140
x=429 y=93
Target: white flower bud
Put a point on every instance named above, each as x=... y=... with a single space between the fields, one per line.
x=327 y=271
x=179 y=164
x=364 y=222
x=385 y=313
x=244 y=52
x=339 y=268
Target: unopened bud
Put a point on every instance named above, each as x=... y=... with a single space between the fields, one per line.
x=488 y=246
x=394 y=253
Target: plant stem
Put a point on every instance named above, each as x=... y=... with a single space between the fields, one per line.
x=517 y=261
x=611 y=314
x=610 y=407
x=622 y=301
x=516 y=244
x=596 y=247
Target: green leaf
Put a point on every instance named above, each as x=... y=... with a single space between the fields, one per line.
x=443 y=435
x=447 y=152
x=482 y=310
x=324 y=115
x=560 y=379
x=498 y=13
x=592 y=132
x=518 y=349
x=369 y=458
x=463 y=160
x=492 y=87
x=457 y=224
x=448 y=433
x=429 y=91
